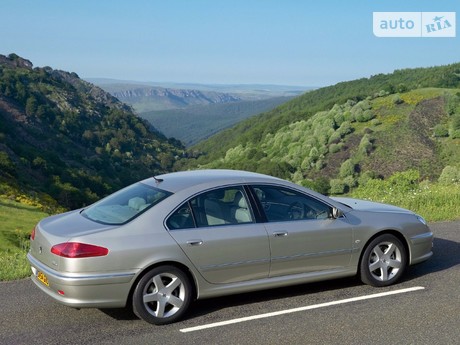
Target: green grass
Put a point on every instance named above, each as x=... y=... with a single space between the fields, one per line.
x=16 y=223
x=433 y=201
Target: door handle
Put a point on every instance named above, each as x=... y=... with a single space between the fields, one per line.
x=280 y=233
x=195 y=242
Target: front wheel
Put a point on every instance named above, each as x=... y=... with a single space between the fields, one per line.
x=384 y=261
x=162 y=296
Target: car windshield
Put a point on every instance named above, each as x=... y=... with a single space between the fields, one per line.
x=126 y=204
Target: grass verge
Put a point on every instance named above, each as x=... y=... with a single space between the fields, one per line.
x=16 y=223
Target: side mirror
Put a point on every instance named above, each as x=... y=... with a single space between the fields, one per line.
x=336 y=213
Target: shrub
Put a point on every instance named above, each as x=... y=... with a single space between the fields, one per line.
x=345 y=128
x=339 y=118
x=396 y=99
x=383 y=93
x=347 y=168
x=365 y=105
x=455 y=127
x=453 y=104
x=334 y=148
x=440 y=131
x=366 y=177
x=449 y=175
x=365 y=146
x=314 y=154
x=337 y=186
x=365 y=116
x=348 y=116
x=350 y=182
x=455 y=134
x=335 y=138
x=320 y=185
x=375 y=122
x=320 y=164
x=323 y=150
x=405 y=181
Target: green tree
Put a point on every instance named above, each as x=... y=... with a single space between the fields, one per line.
x=337 y=186
x=347 y=168
x=31 y=106
x=6 y=165
x=365 y=145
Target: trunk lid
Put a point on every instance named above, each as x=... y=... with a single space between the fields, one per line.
x=59 y=229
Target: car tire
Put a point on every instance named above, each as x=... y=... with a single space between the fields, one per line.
x=162 y=295
x=384 y=261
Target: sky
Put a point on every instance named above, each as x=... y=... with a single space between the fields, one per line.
x=281 y=42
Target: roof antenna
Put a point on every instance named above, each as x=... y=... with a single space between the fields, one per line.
x=157 y=180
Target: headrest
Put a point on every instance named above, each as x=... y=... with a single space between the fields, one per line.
x=240 y=200
x=136 y=203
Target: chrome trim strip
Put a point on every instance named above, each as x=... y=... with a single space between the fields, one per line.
x=234 y=264
x=306 y=255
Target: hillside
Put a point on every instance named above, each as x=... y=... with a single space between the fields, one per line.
x=196 y=123
x=302 y=107
x=64 y=137
x=331 y=137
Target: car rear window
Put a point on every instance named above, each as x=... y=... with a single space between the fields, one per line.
x=126 y=204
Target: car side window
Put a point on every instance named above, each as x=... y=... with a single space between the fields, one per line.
x=182 y=218
x=221 y=206
x=282 y=204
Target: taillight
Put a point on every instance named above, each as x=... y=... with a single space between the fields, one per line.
x=32 y=234
x=78 y=250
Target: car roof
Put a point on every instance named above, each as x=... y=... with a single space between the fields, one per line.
x=177 y=181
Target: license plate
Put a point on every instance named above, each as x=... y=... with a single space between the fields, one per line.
x=42 y=277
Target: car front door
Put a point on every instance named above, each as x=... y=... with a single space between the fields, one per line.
x=303 y=235
x=217 y=232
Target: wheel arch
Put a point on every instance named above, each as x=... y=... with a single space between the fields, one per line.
x=175 y=264
x=393 y=232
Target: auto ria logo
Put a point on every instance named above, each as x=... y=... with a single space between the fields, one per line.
x=415 y=24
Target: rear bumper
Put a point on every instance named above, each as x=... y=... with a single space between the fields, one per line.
x=98 y=290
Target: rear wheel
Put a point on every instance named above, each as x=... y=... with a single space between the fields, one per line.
x=384 y=261
x=162 y=296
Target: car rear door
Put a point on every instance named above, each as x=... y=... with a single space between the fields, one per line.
x=218 y=233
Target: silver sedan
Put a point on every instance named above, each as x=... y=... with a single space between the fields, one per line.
x=165 y=241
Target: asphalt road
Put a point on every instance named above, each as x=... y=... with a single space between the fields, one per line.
x=426 y=316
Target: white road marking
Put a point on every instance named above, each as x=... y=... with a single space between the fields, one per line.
x=295 y=310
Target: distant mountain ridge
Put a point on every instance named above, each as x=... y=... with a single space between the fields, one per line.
x=146 y=97
x=171 y=98
x=195 y=95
